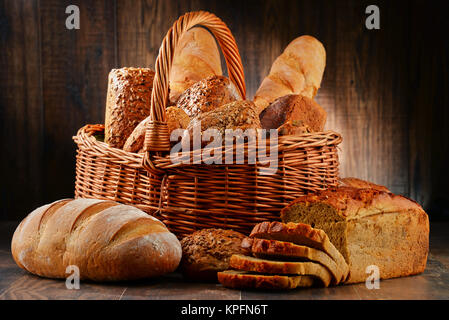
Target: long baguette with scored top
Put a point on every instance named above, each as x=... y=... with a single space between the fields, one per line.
x=106 y=240
x=298 y=70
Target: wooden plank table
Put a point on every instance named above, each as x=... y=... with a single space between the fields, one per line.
x=16 y=283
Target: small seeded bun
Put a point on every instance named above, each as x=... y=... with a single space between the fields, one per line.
x=208 y=251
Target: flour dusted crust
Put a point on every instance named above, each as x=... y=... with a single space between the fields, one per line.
x=369 y=227
x=127 y=102
x=108 y=241
x=246 y=280
x=207 y=251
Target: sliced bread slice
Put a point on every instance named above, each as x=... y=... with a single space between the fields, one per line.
x=287 y=251
x=245 y=263
x=301 y=234
x=247 y=280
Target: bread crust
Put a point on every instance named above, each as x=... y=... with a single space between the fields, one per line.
x=107 y=241
x=207 y=251
x=127 y=102
x=244 y=280
x=294 y=114
x=207 y=95
x=235 y=115
x=361 y=184
x=370 y=227
x=196 y=57
x=298 y=70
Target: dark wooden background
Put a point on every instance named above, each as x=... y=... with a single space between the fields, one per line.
x=385 y=90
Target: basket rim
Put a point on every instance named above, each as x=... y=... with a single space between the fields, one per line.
x=86 y=141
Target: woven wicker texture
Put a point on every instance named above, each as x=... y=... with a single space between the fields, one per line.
x=188 y=197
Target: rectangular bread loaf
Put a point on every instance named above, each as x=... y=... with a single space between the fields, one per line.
x=369 y=227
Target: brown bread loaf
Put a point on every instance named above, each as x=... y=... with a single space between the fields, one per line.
x=207 y=251
x=369 y=227
x=196 y=57
x=106 y=240
x=294 y=114
x=207 y=95
x=247 y=280
x=127 y=102
x=298 y=70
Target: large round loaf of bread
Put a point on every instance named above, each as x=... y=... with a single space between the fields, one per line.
x=106 y=240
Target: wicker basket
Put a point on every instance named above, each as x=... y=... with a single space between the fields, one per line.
x=187 y=197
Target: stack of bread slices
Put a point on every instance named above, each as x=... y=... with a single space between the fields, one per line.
x=285 y=256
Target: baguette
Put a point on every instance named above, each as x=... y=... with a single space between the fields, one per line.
x=106 y=240
x=298 y=70
x=196 y=57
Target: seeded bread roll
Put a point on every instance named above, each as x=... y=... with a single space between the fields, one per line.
x=207 y=251
x=369 y=227
x=235 y=115
x=207 y=95
x=127 y=102
x=106 y=240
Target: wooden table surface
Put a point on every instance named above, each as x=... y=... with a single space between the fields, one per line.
x=16 y=283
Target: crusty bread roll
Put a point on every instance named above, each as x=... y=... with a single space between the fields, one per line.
x=176 y=119
x=369 y=227
x=106 y=240
x=196 y=57
x=235 y=115
x=207 y=251
x=127 y=102
x=294 y=114
x=207 y=95
x=298 y=70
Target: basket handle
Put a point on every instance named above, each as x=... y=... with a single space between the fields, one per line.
x=157 y=137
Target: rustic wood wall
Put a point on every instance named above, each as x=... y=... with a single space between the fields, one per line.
x=385 y=90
